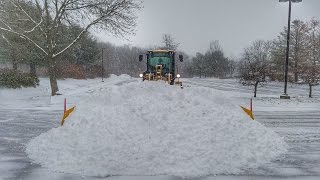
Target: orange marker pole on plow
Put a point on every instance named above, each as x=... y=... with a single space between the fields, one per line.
x=66 y=112
x=249 y=111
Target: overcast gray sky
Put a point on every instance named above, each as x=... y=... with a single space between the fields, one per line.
x=194 y=23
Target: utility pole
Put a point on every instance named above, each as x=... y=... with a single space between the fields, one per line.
x=102 y=68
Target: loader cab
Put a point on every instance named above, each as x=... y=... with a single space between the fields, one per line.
x=160 y=65
x=165 y=59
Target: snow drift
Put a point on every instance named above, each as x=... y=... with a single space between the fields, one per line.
x=150 y=128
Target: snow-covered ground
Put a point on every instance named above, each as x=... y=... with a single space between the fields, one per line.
x=297 y=120
x=267 y=96
x=202 y=120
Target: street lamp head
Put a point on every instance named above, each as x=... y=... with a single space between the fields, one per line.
x=294 y=1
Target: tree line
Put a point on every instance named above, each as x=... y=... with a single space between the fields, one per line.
x=124 y=59
x=213 y=63
x=265 y=60
x=54 y=34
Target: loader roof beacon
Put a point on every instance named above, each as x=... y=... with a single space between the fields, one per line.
x=161 y=66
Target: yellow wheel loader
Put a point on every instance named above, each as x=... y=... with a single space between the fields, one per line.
x=161 y=66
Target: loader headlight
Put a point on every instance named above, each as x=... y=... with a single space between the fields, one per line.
x=178 y=75
x=141 y=75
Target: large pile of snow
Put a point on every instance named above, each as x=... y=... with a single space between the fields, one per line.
x=150 y=128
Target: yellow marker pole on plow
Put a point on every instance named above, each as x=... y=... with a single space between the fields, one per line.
x=66 y=112
x=249 y=111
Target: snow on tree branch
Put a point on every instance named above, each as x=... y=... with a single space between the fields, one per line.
x=25 y=37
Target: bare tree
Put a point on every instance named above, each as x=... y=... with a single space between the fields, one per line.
x=169 y=42
x=115 y=16
x=232 y=67
x=122 y=59
x=215 y=60
x=310 y=74
x=215 y=46
x=198 y=64
x=253 y=67
x=298 y=36
x=310 y=69
x=298 y=48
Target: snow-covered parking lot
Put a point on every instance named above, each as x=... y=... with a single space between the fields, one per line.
x=27 y=113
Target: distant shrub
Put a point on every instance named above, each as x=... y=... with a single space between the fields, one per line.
x=95 y=71
x=78 y=71
x=10 y=78
x=74 y=71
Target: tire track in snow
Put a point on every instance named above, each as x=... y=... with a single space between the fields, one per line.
x=301 y=132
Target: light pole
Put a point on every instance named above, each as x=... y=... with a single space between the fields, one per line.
x=285 y=94
x=102 y=68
